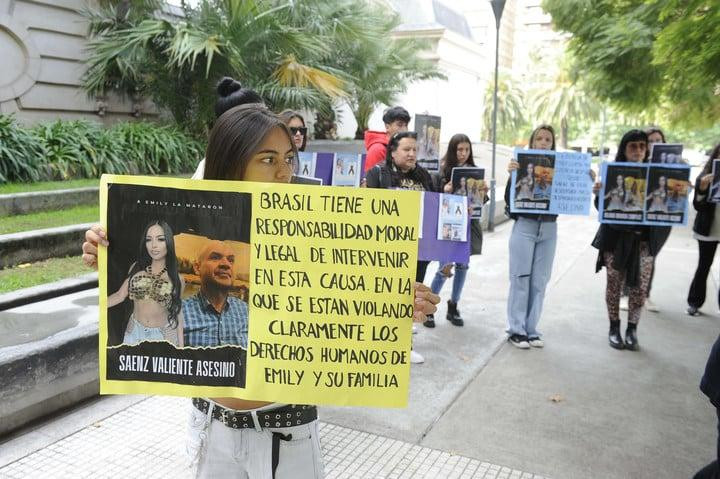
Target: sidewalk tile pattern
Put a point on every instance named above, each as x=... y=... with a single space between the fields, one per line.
x=148 y=440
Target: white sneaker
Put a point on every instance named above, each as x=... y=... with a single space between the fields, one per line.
x=416 y=358
x=650 y=306
x=623 y=303
x=536 y=342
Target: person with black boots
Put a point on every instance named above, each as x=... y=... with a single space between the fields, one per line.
x=459 y=154
x=627 y=252
x=706 y=230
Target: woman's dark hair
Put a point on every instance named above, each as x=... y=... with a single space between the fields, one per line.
x=236 y=136
x=542 y=127
x=288 y=115
x=654 y=129
x=450 y=160
x=632 y=135
x=144 y=260
x=416 y=174
x=231 y=94
x=714 y=155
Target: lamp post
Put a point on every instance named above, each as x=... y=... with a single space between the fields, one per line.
x=497 y=6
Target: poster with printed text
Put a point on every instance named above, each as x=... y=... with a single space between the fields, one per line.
x=550 y=182
x=470 y=182
x=666 y=153
x=644 y=194
x=427 y=128
x=346 y=169
x=266 y=292
x=452 y=218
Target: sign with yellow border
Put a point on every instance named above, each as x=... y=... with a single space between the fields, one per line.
x=286 y=293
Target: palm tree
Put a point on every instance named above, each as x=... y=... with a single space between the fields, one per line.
x=176 y=63
x=511 y=108
x=562 y=100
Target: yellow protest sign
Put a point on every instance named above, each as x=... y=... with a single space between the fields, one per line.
x=286 y=293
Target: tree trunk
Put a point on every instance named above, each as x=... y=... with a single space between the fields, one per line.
x=564 y=133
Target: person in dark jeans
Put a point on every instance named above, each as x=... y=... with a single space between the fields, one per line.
x=710 y=386
x=706 y=230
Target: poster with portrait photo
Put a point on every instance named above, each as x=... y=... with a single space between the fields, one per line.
x=178 y=259
x=452 y=218
x=470 y=181
x=427 y=128
x=622 y=198
x=307 y=162
x=667 y=194
x=715 y=186
x=347 y=168
x=531 y=183
x=669 y=153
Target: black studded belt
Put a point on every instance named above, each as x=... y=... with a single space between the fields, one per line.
x=285 y=416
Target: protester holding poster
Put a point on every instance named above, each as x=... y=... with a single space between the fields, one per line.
x=459 y=155
x=627 y=250
x=532 y=251
x=252 y=144
x=706 y=230
x=401 y=171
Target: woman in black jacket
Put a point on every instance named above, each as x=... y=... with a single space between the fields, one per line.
x=400 y=171
x=627 y=252
x=706 y=230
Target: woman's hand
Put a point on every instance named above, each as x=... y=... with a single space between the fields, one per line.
x=705 y=181
x=593 y=175
x=425 y=302
x=597 y=187
x=93 y=237
x=512 y=166
x=448 y=187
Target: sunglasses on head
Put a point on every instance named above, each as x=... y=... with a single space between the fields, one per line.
x=298 y=129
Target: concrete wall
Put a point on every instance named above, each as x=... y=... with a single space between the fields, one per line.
x=42 y=46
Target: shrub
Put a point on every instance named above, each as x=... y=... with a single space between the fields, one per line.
x=21 y=153
x=81 y=149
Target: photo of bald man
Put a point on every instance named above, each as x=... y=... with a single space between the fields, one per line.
x=214 y=317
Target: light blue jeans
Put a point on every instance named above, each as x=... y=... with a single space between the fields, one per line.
x=532 y=251
x=458 y=280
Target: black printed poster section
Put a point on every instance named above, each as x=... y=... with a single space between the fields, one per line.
x=158 y=361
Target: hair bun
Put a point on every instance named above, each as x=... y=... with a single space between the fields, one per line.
x=228 y=86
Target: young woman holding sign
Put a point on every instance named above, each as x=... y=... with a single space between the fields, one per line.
x=627 y=252
x=250 y=143
x=706 y=230
x=459 y=153
x=532 y=251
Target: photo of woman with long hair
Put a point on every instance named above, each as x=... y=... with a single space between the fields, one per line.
x=616 y=197
x=525 y=185
x=154 y=287
x=658 y=197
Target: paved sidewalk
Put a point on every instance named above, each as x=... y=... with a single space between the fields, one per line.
x=147 y=440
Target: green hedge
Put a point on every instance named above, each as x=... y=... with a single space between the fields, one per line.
x=65 y=150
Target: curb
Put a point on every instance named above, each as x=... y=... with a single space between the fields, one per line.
x=41 y=292
x=37 y=245
x=23 y=203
